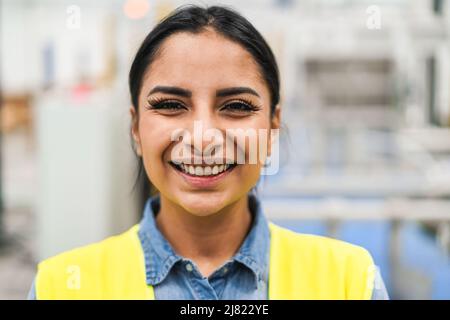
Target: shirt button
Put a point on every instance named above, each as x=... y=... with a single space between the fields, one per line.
x=225 y=270
x=189 y=267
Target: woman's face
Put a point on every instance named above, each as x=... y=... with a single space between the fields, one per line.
x=193 y=78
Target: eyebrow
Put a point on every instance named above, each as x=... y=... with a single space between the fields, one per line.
x=235 y=90
x=219 y=93
x=171 y=90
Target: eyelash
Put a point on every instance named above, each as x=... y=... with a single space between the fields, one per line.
x=159 y=103
x=167 y=104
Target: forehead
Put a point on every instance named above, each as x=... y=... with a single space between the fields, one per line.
x=204 y=60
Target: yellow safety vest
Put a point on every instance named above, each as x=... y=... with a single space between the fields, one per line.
x=301 y=267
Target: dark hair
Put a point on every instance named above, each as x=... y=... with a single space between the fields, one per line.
x=195 y=19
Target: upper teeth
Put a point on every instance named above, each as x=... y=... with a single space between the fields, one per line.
x=205 y=170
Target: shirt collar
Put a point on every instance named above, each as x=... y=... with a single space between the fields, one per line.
x=160 y=256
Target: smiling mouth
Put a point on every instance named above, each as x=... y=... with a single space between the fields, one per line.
x=203 y=170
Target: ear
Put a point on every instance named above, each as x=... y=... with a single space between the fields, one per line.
x=135 y=130
x=275 y=122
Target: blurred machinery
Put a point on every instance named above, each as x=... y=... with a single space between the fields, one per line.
x=368 y=112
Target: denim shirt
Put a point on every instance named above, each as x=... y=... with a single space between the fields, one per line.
x=244 y=276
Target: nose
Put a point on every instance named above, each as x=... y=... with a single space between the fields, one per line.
x=206 y=134
x=202 y=139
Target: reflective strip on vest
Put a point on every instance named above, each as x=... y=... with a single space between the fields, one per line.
x=301 y=267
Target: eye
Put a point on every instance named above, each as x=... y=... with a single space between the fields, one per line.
x=166 y=106
x=240 y=107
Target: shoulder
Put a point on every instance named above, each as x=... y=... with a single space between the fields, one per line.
x=332 y=268
x=342 y=269
x=92 y=254
x=87 y=271
x=323 y=248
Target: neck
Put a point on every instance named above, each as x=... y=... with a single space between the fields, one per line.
x=207 y=240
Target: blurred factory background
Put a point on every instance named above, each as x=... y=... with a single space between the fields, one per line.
x=365 y=155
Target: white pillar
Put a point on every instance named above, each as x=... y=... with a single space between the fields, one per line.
x=85 y=173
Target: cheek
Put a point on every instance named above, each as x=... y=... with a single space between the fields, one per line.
x=247 y=177
x=256 y=147
x=255 y=150
x=155 y=140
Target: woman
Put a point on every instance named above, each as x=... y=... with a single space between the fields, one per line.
x=204 y=234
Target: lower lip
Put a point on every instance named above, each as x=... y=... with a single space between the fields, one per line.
x=203 y=181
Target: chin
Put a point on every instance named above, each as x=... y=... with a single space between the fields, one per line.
x=203 y=204
x=203 y=208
